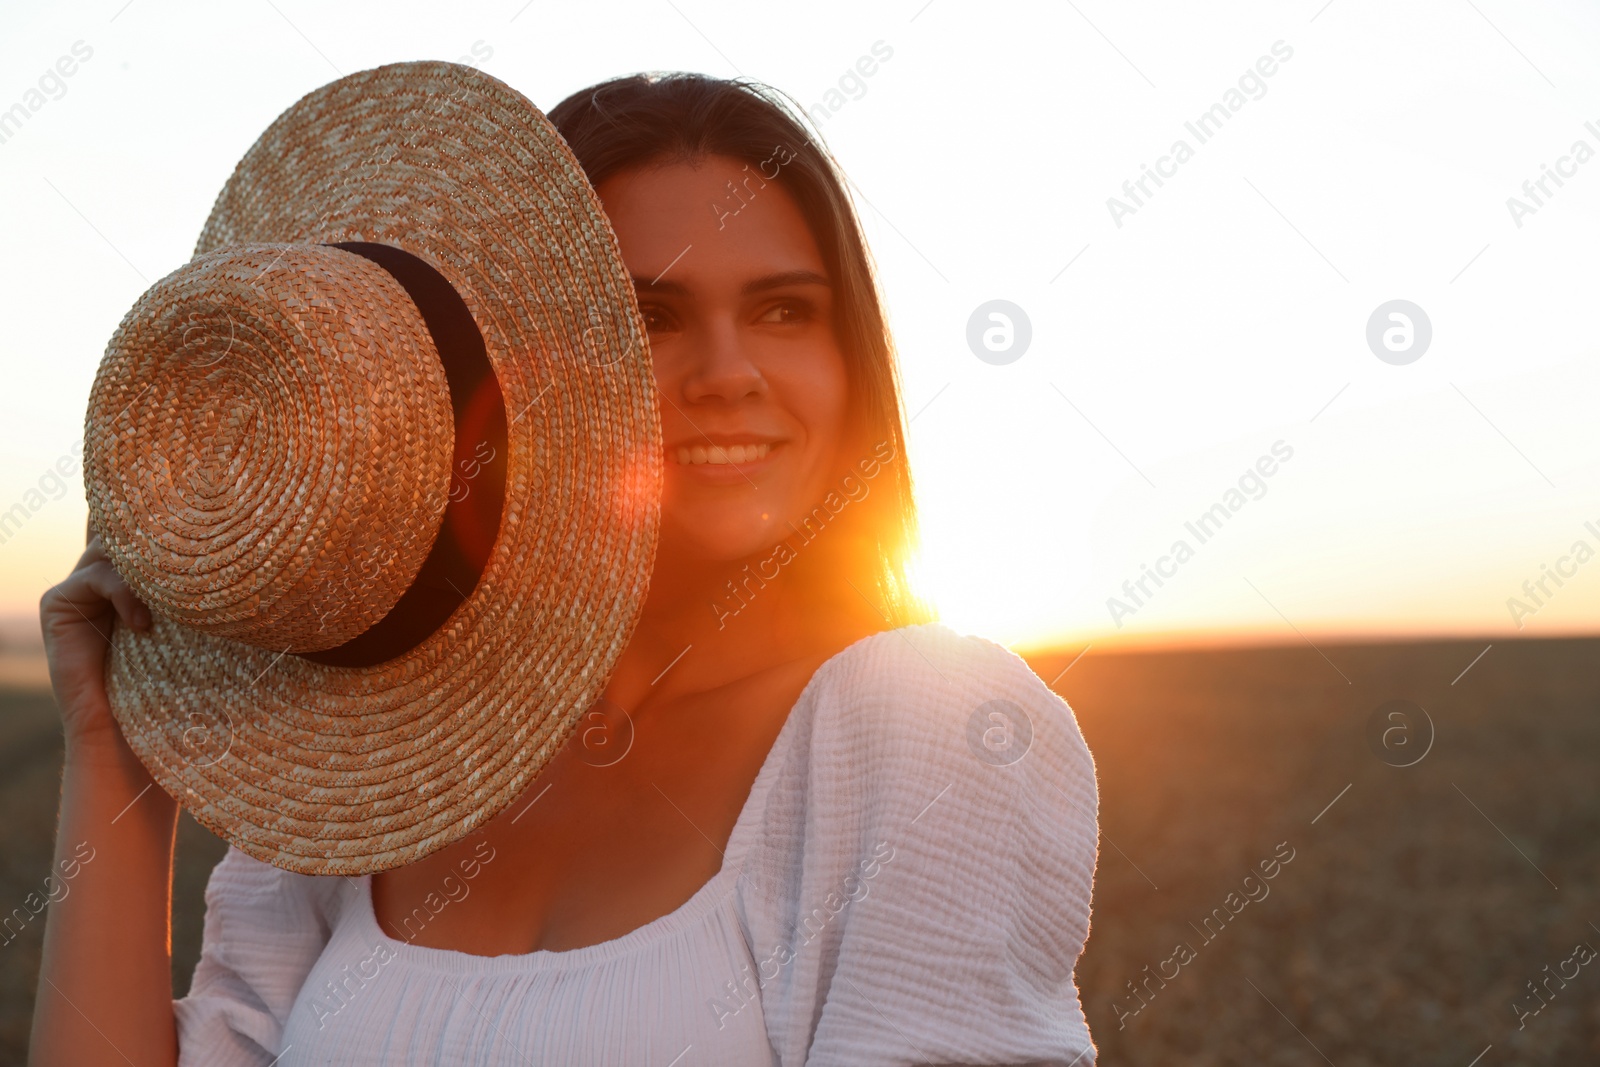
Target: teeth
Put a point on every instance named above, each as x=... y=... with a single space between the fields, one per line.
x=688 y=455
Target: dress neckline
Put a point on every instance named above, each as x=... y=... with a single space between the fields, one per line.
x=711 y=894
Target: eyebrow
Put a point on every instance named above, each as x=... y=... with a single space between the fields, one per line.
x=780 y=280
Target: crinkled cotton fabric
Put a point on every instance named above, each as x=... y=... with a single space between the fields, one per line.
x=909 y=882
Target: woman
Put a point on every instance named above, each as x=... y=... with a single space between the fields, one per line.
x=805 y=825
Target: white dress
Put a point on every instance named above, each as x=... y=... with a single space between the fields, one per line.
x=908 y=883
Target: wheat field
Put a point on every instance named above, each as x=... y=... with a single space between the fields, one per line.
x=1420 y=914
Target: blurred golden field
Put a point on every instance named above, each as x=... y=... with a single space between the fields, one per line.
x=1413 y=914
x=1414 y=911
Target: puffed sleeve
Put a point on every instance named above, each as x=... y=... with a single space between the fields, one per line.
x=923 y=895
x=264 y=930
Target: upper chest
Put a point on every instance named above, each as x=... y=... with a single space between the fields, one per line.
x=684 y=984
x=624 y=826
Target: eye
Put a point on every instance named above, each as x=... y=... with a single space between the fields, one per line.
x=791 y=311
x=656 y=318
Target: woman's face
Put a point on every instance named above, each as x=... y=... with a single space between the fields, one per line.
x=739 y=310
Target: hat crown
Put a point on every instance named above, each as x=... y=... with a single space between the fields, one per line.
x=269 y=440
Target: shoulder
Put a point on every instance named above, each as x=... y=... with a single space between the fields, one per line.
x=946 y=700
x=948 y=747
x=927 y=857
x=250 y=901
x=264 y=930
x=243 y=888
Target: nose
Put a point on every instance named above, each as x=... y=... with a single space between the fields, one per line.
x=721 y=368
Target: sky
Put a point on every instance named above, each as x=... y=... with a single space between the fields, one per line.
x=1216 y=342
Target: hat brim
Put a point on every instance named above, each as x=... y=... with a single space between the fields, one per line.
x=337 y=770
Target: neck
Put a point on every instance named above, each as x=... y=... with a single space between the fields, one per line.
x=695 y=634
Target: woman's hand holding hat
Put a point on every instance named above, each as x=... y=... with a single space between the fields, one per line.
x=76 y=616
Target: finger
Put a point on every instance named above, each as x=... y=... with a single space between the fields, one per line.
x=94 y=551
x=105 y=582
x=72 y=602
x=130 y=609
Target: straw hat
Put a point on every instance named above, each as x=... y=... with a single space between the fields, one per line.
x=393 y=505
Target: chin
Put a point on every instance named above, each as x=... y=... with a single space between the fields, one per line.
x=719 y=539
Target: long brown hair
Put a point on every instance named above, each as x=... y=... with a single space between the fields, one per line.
x=648 y=119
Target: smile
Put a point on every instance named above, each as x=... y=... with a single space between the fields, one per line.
x=694 y=455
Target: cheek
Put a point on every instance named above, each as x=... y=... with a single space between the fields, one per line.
x=818 y=397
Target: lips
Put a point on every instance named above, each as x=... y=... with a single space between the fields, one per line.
x=695 y=455
x=725 y=459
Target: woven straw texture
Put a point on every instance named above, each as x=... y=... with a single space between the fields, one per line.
x=333 y=770
x=294 y=427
